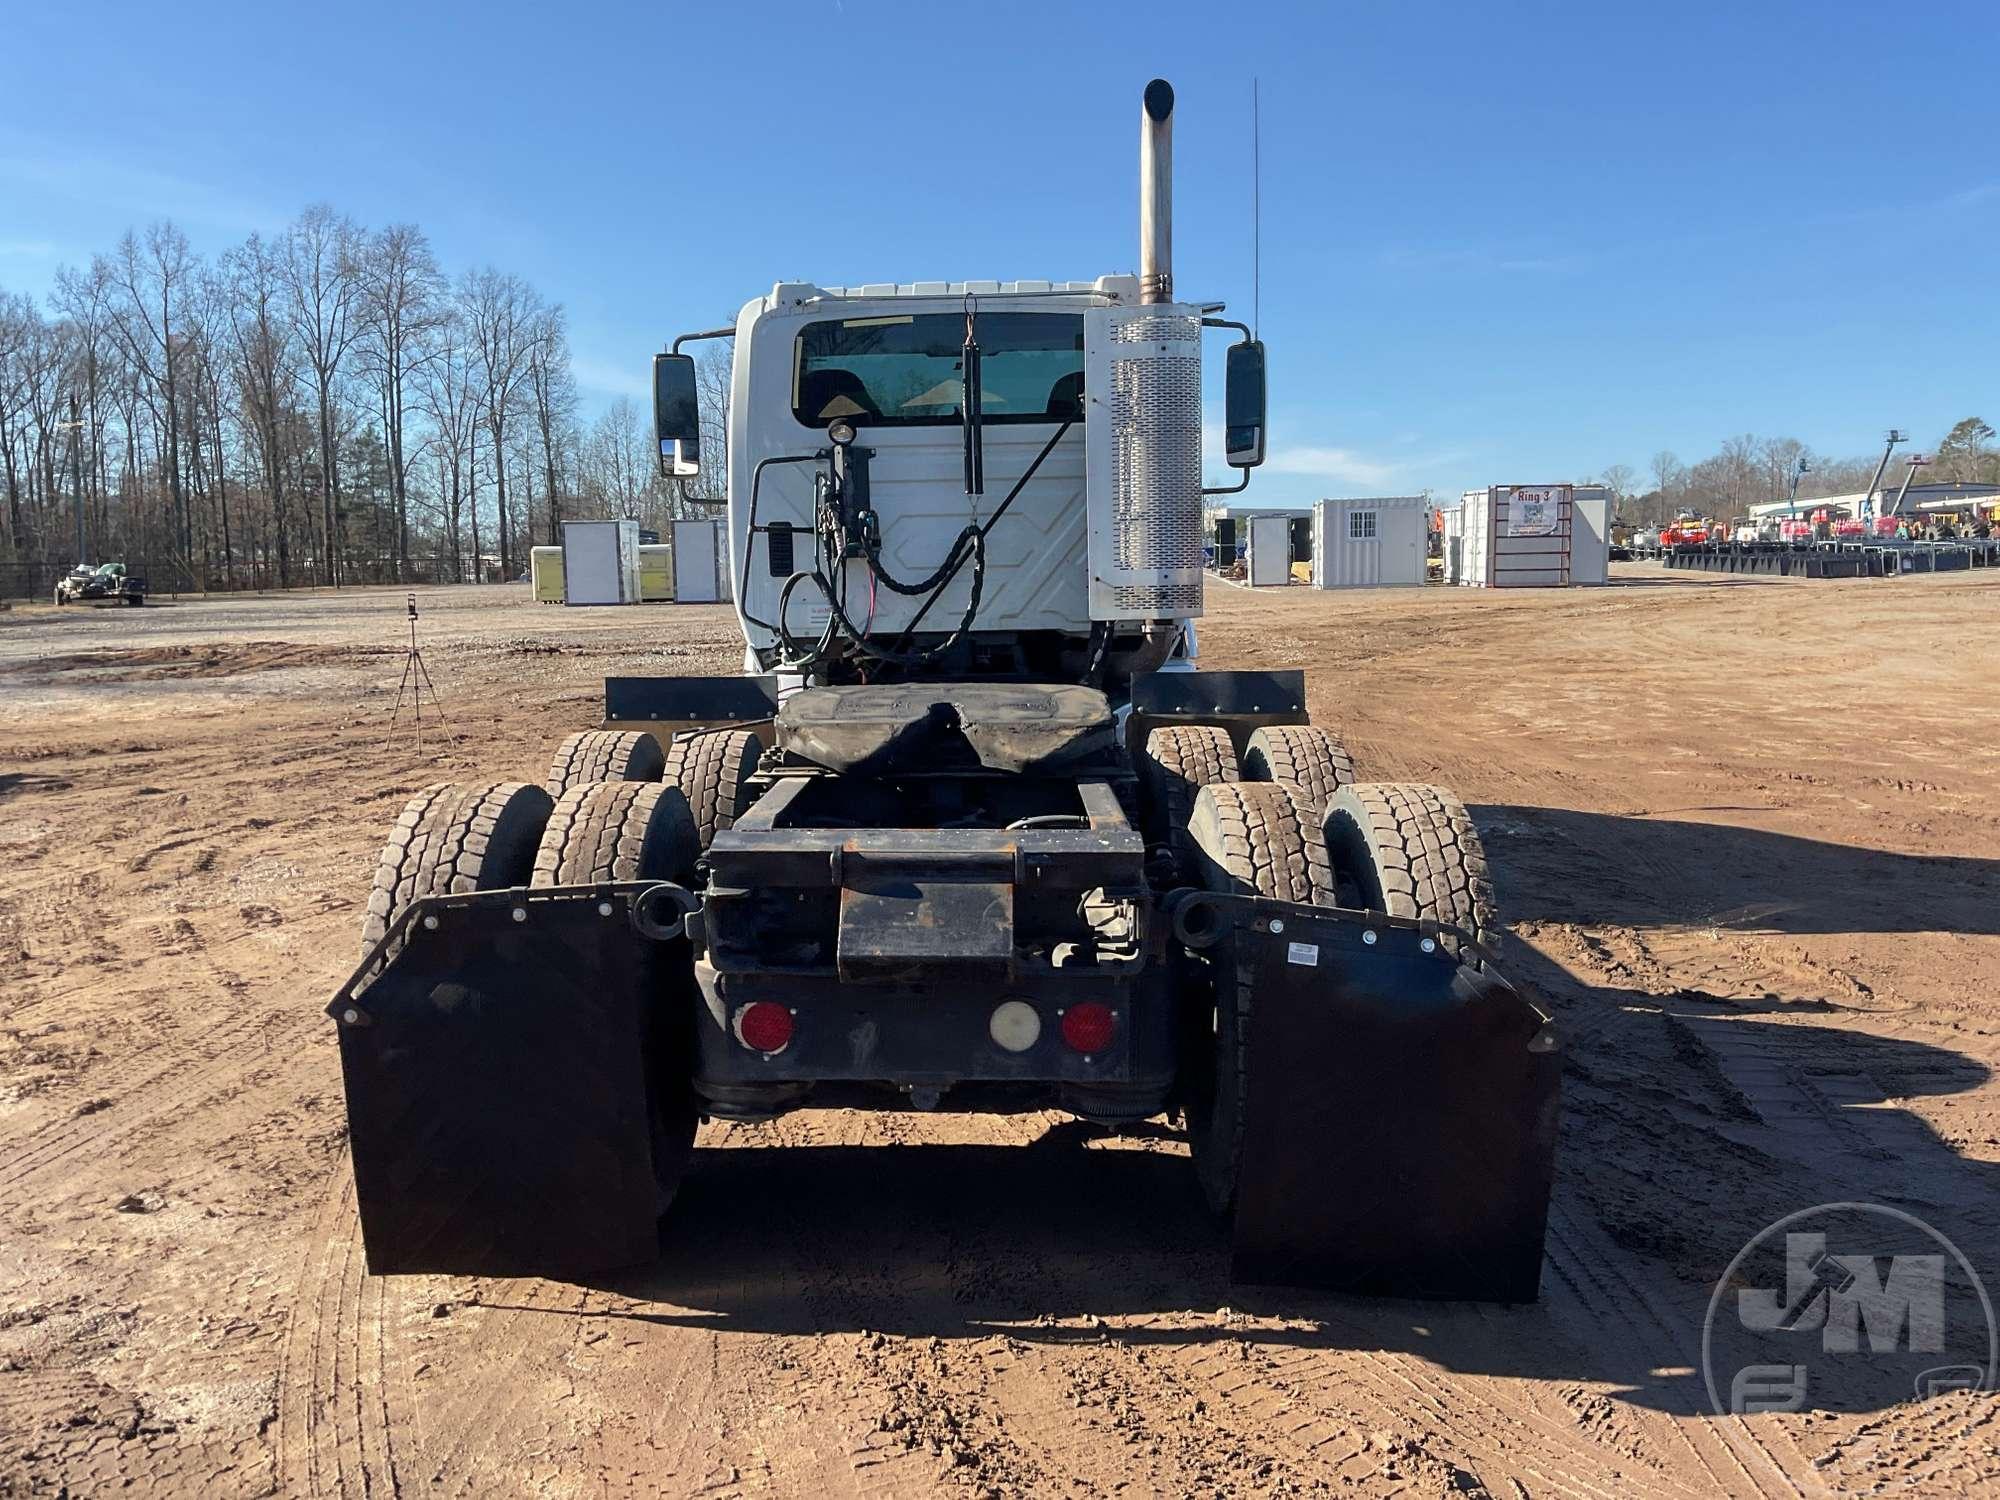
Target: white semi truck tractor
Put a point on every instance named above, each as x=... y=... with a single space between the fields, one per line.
x=973 y=830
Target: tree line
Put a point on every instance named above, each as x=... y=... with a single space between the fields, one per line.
x=322 y=406
x=1749 y=471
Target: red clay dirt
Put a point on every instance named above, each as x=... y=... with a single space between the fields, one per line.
x=1747 y=835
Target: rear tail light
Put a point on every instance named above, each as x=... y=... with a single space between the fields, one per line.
x=1089 y=1026
x=764 y=1026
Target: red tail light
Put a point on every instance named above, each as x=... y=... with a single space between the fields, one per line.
x=1089 y=1027
x=764 y=1026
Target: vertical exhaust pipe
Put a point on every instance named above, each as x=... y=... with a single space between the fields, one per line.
x=1156 y=193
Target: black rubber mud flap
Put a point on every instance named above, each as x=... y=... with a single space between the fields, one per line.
x=496 y=1083
x=1401 y=1125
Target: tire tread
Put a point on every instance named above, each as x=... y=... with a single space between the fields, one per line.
x=1310 y=757
x=712 y=768
x=1426 y=855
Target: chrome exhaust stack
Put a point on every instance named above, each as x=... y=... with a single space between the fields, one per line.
x=1156 y=193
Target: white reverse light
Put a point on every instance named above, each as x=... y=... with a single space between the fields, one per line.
x=1015 y=1026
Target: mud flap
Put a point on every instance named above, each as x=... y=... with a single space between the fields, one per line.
x=1401 y=1124
x=496 y=1079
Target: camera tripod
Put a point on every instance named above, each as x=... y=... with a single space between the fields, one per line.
x=416 y=682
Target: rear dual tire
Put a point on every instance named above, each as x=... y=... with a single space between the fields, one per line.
x=605 y=755
x=1409 y=850
x=1178 y=761
x=1304 y=754
x=713 y=770
x=499 y=836
x=605 y=831
x=1253 y=838
x=452 y=839
x=1404 y=849
x=608 y=831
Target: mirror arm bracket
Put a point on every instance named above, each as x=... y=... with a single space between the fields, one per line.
x=1248 y=338
x=730 y=333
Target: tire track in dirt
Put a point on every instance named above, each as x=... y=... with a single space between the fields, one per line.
x=1735 y=1459
x=357 y=1420
x=171 y=1089
x=334 y=1423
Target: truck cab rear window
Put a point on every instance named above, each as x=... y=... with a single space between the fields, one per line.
x=904 y=370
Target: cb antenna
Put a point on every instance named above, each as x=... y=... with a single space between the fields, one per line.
x=1256 y=216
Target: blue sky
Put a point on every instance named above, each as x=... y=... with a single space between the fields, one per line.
x=1501 y=242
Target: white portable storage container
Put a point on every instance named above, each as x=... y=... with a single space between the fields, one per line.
x=1452 y=519
x=601 y=562
x=1270 y=550
x=1516 y=536
x=1369 y=543
x=698 y=562
x=1590 y=535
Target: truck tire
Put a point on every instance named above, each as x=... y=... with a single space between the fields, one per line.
x=455 y=838
x=605 y=755
x=636 y=830
x=1303 y=754
x=713 y=770
x=1261 y=838
x=1254 y=839
x=1178 y=761
x=1410 y=850
x=603 y=831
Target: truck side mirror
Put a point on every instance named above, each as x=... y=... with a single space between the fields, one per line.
x=677 y=415
x=1243 y=405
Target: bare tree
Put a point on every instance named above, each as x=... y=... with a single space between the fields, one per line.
x=85 y=301
x=448 y=392
x=1668 y=471
x=320 y=269
x=401 y=301
x=210 y=335
x=712 y=374
x=19 y=320
x=553 y=391
x=265 y=368
x=154 y=278
x=500 y=316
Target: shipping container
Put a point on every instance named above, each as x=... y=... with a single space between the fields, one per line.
x=545 y=573
x=1370 y=543
x=1515 y=536
x=700 y=563
x=601 y=562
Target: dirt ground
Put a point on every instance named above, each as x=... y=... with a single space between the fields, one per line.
x=1747 y=834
